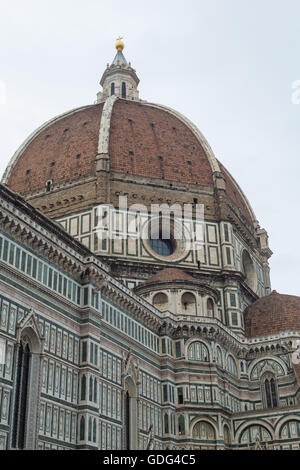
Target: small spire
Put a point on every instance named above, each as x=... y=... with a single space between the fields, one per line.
x=119 y=59
x=119 y=78
x=119 y=44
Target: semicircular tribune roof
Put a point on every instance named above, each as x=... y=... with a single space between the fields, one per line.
x=272 y=314
x=170 y=274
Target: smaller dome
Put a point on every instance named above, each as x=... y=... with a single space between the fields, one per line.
x=173 y=290
x=171 y=274
x=272 y=314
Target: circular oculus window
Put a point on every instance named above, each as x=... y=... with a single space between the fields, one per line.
x=173 y=245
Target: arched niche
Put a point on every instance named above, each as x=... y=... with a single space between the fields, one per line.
x=181 y=425
x=161 y=301
x=188 y=304
x=210 y=307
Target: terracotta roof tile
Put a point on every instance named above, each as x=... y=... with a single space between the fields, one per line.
x=161 y=145
x=171 y=274
x=63 y=150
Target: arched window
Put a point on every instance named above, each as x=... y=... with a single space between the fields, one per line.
x=204 y=431
x=210 y=308
x=198 y=352
x=130 y=408
x=127 y=420
x=48 y=186
x=83 y=387
x=160 y=301
x=274 y=393
x=173 y=426
x=91 y=389
x=231 y=366
x=26 y=389
x=112 y=89
x=123 y=90
x=181 y=426
x=90 y=429
x=180 y=396
x=166 y=423
x=95 y=390
x=22 y=385
x=188 y=303
x=94 y=431
x=82 y=429
x=261 y=365
x=269 y=391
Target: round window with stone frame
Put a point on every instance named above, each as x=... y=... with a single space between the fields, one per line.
x=166 y=238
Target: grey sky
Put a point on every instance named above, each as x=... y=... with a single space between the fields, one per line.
x=228 y=65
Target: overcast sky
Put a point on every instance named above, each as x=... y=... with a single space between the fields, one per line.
x=228 y=65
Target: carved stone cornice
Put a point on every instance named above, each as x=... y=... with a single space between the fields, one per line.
x=202 y=288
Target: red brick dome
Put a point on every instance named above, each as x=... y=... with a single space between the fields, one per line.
x=63 y=149
x=272 y=314
x=144 y=139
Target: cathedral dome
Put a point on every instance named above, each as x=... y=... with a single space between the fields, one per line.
x=272 y=314
x=142 y=139
x=93 y=154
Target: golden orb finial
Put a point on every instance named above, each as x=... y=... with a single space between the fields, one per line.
x=120 y=44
